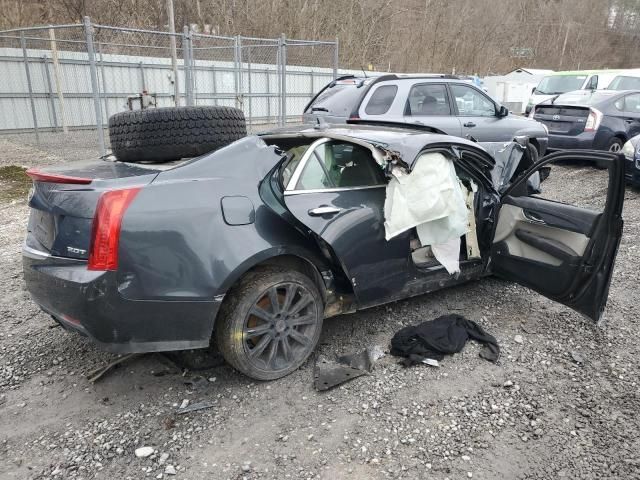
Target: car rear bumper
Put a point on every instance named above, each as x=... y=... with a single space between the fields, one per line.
x=89 y=303
x=584 y=140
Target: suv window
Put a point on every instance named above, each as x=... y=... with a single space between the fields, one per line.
x=339 y=98
x=340 y=164
x=470 y=102
x=381 y=100
x=428 y=99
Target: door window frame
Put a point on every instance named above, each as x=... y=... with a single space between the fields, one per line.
x=455 y=104
x=290 y=188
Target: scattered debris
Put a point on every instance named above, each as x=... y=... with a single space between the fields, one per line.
x=184 y=404
x=431 y=362
x=577 y=357
x=197 y=382
x=195 y=406
x=170 y=470
x=518 y=339
x=328 y=373
x=97 y=373
x=144 y=452
x=363 y=360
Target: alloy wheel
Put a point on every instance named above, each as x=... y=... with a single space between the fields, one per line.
x=280 y=327
x=615 y=147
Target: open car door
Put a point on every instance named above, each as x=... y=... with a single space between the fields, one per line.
x=562 y=251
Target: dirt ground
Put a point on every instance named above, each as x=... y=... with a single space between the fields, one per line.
x=563 y=401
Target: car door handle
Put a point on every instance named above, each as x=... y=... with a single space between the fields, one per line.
x=469 y=124
x=533 y=217
x=324 y=210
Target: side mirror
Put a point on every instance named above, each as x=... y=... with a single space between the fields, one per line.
x=503 y=111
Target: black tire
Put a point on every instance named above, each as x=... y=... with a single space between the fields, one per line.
x=615 y=145
x=165 y=134
x=247 y=341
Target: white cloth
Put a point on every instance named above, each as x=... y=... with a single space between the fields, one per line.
x=431 y=199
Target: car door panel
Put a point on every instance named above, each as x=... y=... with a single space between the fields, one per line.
x=563 y=252
x=568 y=217
x=377 y=268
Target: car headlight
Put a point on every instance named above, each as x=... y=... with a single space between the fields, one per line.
x=628 y=150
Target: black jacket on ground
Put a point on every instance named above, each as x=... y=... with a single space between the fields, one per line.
x=443 y=336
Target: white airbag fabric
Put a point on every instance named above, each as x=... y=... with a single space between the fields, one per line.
x=429 y=198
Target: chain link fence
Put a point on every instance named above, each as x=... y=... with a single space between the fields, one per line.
x=68 y=79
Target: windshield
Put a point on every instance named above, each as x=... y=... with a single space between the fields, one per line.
x=625 y=83
x=556 y=84
x=338 y=99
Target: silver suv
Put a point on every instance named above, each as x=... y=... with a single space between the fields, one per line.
x=443 y=102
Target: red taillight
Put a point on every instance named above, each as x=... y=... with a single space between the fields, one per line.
x=593 y=120
x=39 y=176
x=105 y=232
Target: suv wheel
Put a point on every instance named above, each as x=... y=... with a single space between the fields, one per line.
x=270 y=323
x=615 y=145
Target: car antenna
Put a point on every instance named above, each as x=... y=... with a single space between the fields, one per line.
x=364 y=72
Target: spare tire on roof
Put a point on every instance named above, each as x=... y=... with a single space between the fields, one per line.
x=164 y=134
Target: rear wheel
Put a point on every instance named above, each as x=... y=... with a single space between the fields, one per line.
x=270 y=323
x=614 y=145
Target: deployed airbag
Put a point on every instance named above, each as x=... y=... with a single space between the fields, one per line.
x=430 y=199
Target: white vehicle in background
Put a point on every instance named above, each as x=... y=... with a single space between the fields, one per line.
x=562 y=82
x=629 y=80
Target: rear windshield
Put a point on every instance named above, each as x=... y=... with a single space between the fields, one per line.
x=556 y=84
x=625 y=83
x=338 y=99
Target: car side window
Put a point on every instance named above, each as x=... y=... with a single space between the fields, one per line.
x=593 y=83
x=470 y=102
x=339 y=165
x=381 y=100
x=428 y=99
x=632 y=103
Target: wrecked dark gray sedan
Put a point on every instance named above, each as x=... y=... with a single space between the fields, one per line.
x=253 y=245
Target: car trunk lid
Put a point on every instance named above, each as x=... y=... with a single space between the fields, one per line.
x=64 y=199
x=562 y=120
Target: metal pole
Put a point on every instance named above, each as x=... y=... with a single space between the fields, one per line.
x=144 y=86
x=88 y=33
x=564 y=44
x=56 y=75
x=283 y=80
x=336 y=59
x=23 y=44
x=54 y=117
x=237 y=65
x=174 y=52
x=268 y=75
x=186 y=50
x=104 y=83
x=249 y=84
x=215 y=86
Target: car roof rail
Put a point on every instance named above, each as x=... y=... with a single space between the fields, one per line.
x=387 y=123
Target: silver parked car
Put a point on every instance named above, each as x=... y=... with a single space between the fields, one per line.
x=444 y=102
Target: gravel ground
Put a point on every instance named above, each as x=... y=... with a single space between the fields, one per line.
x=563 y=402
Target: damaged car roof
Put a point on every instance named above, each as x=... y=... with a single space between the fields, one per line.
x=406 y=142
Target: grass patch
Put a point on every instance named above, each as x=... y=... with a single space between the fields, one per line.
x=14 y=183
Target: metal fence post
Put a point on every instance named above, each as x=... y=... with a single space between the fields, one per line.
x=336 y=59
x=237 y=66
x=88 y=33
x=186 y=53
x=283 y=79
x=103 y=90
x=52 y=104
x=23 y=44
x=57 y=76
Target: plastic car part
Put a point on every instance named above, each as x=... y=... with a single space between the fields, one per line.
x=328 y=374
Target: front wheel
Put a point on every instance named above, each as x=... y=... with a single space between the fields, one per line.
x=270 y=323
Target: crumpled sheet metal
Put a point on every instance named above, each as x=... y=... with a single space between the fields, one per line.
x=329 y=373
